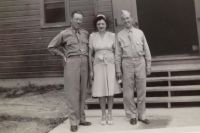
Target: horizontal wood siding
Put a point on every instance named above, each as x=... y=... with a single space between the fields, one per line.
x=105 y=7
x=23 y=42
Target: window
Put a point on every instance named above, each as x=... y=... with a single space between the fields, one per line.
x=55 y=13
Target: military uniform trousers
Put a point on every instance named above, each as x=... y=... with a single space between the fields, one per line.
x=75 y=87
x=134 y=79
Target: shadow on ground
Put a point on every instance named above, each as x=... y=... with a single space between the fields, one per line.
x=157 y=122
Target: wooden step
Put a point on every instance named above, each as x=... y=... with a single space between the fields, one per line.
x=173 y=68
x=174 y=88
x=173 y=99
x=175 y=59
x=173 y=78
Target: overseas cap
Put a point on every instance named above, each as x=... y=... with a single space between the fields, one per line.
x=125 y=13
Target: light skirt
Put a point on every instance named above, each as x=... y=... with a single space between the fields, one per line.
x=105 y=83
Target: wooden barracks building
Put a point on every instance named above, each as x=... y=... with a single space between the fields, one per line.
x=172 y=29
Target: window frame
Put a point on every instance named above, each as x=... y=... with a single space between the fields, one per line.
x=43 y=24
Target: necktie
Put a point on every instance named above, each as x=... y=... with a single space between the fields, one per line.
x=131 y=39
x=77 y=33
x=132 y=42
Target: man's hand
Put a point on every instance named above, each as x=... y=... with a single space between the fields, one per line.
x=119 y=75
x=148 y=70
x=91 y=75
x=65 y=59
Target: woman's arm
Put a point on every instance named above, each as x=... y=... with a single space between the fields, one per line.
x=91 y=52
x=91 y=56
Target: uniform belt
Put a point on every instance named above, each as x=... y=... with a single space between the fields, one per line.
x=133 y=58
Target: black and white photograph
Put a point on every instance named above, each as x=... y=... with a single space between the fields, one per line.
x=99 y=66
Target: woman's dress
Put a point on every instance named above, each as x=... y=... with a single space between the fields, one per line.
x=105 y=83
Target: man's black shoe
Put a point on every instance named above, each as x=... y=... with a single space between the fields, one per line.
x=145 y=121
x=85 y=123
x=133 y=121
x=74 y=128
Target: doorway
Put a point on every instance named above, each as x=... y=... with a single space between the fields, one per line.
x=119 y=5
x=169 y=25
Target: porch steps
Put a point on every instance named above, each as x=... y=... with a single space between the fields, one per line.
x=169 y=84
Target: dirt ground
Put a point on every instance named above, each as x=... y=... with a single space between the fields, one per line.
x=31 y=109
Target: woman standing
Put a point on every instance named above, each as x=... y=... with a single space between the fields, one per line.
x=102 y=67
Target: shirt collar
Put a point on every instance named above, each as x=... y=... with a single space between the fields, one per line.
x=129 y=30
x=76 y=30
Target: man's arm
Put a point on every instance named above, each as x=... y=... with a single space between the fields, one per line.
x=54 y=45
x=91 y=53
x=147 y=55
x=118 y=58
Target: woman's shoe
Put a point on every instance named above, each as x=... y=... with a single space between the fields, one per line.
x=103 y=120
x=110 y=122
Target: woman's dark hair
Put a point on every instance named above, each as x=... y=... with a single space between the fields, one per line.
x=98 y=18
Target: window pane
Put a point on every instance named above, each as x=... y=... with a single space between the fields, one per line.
x=54 y=12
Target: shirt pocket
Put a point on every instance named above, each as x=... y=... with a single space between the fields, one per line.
x=84 y=40
x=140 y=47
x=127 y=50
x=71 y=40
x=84 y=44
x=124 y=44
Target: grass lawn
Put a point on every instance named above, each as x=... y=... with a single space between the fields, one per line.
x=31 y=109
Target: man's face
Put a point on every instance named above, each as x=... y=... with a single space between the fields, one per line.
x=77 y=20
x=127 y=20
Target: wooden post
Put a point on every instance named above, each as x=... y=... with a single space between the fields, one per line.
x=169 y=92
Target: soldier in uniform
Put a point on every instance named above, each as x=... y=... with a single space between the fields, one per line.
x=133 y=63
x=72 y=45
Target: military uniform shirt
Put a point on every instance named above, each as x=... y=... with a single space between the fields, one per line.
x=70 y=42
x=131 y=43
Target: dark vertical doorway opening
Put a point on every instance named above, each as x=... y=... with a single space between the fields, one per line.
x=169 y=25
